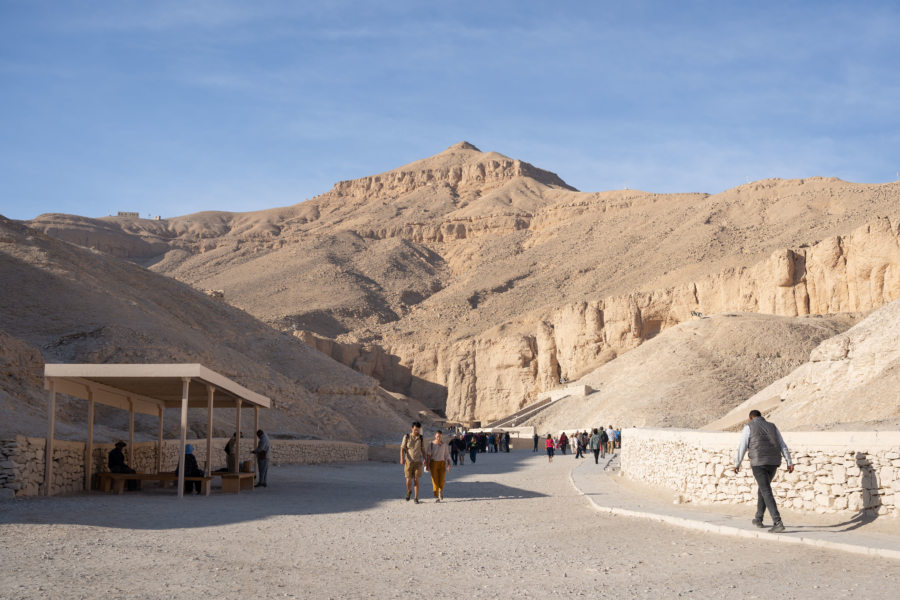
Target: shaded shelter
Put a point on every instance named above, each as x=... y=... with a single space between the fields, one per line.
x=147 y=389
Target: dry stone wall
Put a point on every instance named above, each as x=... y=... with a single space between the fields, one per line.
x=835 y=472
x=22 y=460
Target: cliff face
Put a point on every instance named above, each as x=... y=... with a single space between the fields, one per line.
x=495 y=374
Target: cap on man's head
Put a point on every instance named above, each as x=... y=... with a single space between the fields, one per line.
x=416 y=424
x=120 y=444
x=189 y=449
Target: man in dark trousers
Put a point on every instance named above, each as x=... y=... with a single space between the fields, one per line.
x=766 y=447
x=116 y=463
x=262 y=458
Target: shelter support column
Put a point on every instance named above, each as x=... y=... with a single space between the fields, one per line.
x=255 y=419
x=51 y=432
x=237 y=427
x=89 y=448
x=132 y=451
x=185 y=389
x=210 y=390
x=159 y=439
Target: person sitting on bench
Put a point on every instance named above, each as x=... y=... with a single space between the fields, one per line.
x=191 y=469
x=116 y=464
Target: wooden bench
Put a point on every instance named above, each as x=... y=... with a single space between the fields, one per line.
x=116 y=481
x=232 y=483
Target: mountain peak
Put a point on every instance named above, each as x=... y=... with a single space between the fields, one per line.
x=463 y=145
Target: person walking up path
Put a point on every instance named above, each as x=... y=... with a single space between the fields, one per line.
x=412 y=455
x=549 y=448
x=766 y=447
x=611 y=440
x=595 y=445
x=438 y=461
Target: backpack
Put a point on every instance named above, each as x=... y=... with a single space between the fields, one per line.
x=603 y=437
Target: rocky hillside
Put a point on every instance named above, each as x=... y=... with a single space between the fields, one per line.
x=63 y=303
x=851 y=381
x=693 y=372
x=473 y=281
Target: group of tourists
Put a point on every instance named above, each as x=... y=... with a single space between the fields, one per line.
x=117 y=464
x=437 y=456
x=600 y=441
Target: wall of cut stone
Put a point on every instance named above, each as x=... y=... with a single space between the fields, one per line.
x=835 y=472
x=22 y=460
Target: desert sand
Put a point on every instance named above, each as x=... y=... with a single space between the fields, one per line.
x=512 y=525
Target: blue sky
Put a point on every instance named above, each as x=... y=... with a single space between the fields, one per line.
x=176 y=107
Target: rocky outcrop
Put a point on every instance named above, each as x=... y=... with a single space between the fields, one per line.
x=497 y=373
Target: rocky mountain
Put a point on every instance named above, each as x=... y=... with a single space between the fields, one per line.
x=64 y=303
x=473 y=281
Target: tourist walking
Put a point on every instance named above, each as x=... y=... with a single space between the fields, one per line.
x=595 y=445
x=506 y=437
x=603 y=442
x=766 y=447
x=563 y=442
x=438 y=461
x=454 y=449
x=611 y=440
x=262 y=458
x=536 y=438
x=412 y=455
x=473 y=448
x=549 y=448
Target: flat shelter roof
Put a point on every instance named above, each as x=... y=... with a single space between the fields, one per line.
x=149 y=386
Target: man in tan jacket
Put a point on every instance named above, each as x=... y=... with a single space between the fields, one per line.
x=412 y=455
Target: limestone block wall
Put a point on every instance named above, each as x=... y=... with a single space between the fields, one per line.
x=835 y=472
x=22 y=459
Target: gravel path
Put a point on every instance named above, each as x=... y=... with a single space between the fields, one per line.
x=512 y=524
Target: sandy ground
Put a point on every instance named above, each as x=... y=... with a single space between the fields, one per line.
x=512 y=524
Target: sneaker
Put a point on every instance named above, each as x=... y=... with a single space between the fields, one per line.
x=408 y=494
x=416 y=500
x=777 y=528
x=758 y=523
x=437 y=499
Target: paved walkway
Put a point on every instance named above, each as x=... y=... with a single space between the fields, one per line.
x=609 y=493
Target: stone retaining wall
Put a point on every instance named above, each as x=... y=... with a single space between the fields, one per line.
x=835 y=472
x=22 y=459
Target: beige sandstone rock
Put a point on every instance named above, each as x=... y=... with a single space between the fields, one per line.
x=475 y=281
x=851 y=379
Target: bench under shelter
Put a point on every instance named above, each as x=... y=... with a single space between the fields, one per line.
x=147 y=389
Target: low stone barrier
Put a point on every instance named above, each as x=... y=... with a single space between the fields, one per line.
x=835 y=472
x=22 y=459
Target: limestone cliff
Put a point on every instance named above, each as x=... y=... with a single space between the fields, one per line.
x=496 y=373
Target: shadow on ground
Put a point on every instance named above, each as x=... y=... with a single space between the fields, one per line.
x=292 y=490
